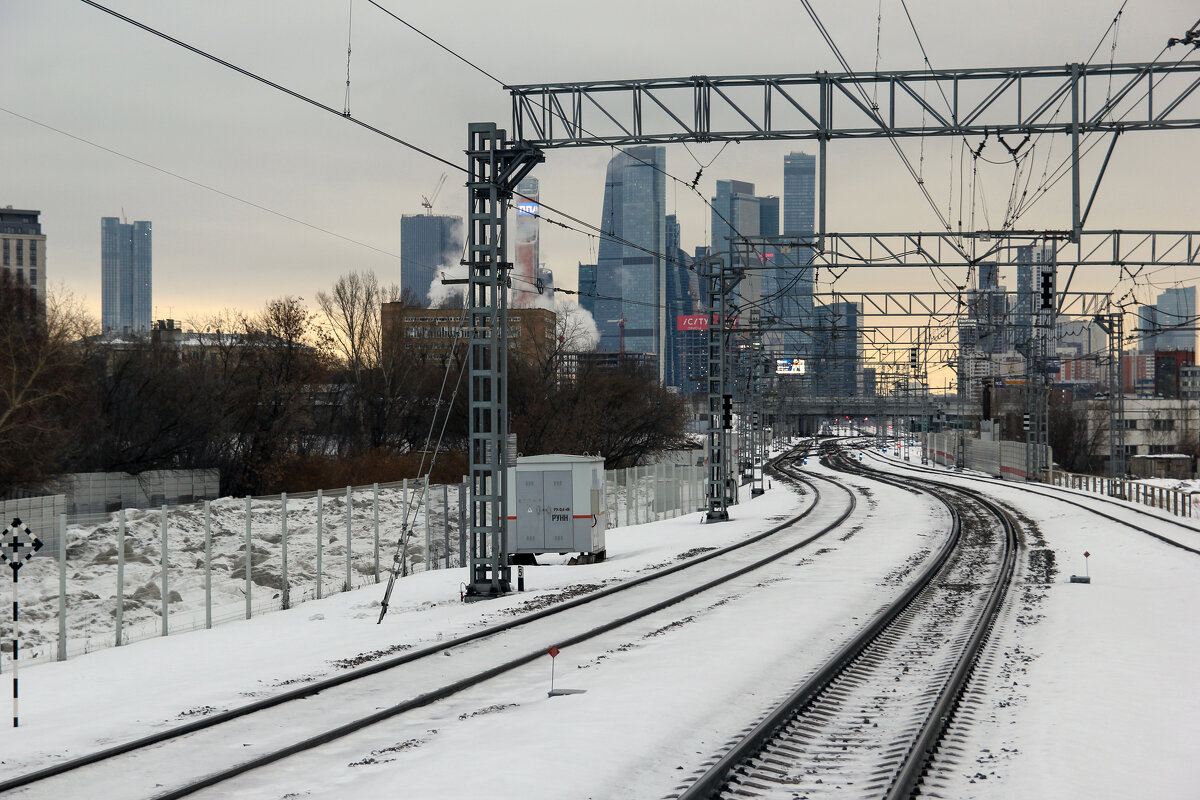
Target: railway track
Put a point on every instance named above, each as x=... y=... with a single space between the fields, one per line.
x=185 y=759
x=1064 y=496
x=868 y=722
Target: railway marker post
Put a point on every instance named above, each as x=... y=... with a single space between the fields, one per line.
x=1087 y=576
x=17 y=545
x=553 y=653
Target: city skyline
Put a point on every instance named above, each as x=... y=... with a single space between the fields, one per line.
x=233 y=164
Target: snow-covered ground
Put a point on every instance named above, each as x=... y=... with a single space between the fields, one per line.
x=1056 y=716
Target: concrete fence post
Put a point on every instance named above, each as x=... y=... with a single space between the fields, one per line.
x=375 y=519
x=249 y=558
x=207 y=564
x=120 y=574
x=462 y=523
x=285 y=587
x=320 y=540
x=164 y=569
x=428 y=538
x=62 y=587
x=349 y=546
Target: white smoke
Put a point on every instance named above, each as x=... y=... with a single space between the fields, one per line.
x=575 y=325
x=441 y=295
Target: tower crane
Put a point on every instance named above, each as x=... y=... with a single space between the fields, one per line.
x=428 y=201
x=621 y=322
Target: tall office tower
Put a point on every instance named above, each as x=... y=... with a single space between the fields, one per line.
x=989 y=310
x=23 y=250
x=125 y=284
x=837 y=350
x=587 y=288
x=794 y=275
x=1022 y=311
x=525 y=256
x=736 y=212
x=799 y=193
x=629 y=264
x=429 y=244
x=1170 y=323
x=684 y=336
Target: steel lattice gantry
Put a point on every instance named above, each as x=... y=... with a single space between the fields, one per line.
x=829 y=105
x=999 y=102
x=496 y=166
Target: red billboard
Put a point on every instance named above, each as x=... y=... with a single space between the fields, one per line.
x=691 y=322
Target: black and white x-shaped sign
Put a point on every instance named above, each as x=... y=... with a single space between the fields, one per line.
x=17 y=545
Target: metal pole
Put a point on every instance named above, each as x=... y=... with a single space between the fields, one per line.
x=349 y=521
x=207 y=565
x=283 y=561
x=375 y=518
x=428 y=536
x=163 y=559
x=320 y=540
x=62 y=587
x=120 y=573
x=446 y=523
x=463 y=555
x=15 y=645
x=1076 y=224
x=248 y=557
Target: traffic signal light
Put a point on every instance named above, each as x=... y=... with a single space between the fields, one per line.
x=1047 y=289
x=727 y=412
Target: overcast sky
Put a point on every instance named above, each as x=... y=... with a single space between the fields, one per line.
x=85 y=73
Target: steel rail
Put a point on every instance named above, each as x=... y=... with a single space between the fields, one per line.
x=1058 y=495
x=717 y=777
x=444 y=691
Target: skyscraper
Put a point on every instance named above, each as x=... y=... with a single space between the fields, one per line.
x=428 y=242
x=1170 y=323
x=525 y=258
x=23 y=249
x=125 y=279
x=799 y=193
x=794 y=275
x=684 y=341
x=629 y=264
x=587 y=288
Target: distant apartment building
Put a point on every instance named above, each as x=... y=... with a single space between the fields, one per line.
x=23 y=250
x=125 y=276
x=438 y=334
x=429 y=244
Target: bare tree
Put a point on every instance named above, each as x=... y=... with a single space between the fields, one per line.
x=39 y=380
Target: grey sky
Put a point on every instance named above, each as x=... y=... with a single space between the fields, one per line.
x=72 y=67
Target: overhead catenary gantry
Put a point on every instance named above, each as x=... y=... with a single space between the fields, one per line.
x=1008 y=103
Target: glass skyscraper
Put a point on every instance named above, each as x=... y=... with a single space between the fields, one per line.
x=634 y=211
x=1169 y=324
x=427 y=242
x=794 y=275
x=125 y=280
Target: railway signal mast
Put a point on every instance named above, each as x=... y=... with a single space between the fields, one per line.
x=824 y=106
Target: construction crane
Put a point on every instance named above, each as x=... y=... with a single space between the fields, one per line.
x=428 y=201
x=621 y=323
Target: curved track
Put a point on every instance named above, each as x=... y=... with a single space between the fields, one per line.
x=216 y=746
x=1064 y=496
x=868 y=722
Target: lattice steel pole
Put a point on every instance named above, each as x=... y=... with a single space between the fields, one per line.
x=495 y=167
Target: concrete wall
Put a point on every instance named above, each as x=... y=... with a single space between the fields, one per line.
x=999 y=459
